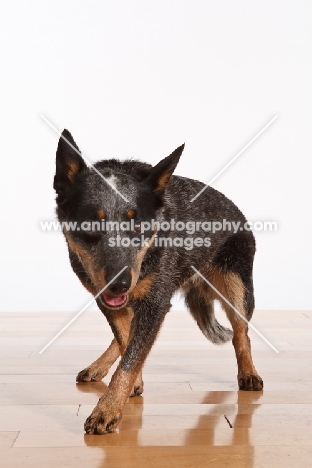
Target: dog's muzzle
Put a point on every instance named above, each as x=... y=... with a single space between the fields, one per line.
x=115 y=296
x=114 y=301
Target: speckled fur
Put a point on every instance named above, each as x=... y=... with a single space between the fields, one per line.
x=154 y=274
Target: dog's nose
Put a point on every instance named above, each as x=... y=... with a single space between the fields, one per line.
x=119 y=285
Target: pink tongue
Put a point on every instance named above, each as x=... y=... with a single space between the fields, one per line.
x=115 y=301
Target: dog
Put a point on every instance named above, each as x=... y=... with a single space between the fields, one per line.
x=134 y=272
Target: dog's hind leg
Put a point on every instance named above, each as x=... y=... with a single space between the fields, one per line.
x=240 y=295
x=99 y=368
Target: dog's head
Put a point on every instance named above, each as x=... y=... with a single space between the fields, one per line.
x=102 y=209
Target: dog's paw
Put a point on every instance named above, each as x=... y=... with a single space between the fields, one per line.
x=137 y=390
x=250 y=382
x=90 y=374
x=100 y=423
x=138 y=386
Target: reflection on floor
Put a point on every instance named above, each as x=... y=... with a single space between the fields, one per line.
x=189 y=404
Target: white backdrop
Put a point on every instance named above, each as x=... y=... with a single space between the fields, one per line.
x=137 y=78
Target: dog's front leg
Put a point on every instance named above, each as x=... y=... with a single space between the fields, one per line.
x=144 y=328
x=99 y=368
x=120 y=322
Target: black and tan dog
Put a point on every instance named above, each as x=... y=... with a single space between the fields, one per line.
x=136 y=300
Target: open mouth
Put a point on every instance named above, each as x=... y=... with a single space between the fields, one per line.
x=114 y=301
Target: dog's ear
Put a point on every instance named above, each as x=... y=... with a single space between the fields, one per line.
x=69 y=164
x=161 y=173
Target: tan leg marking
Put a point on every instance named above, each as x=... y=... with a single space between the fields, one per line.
x=122 y=321
x=108 y=412
x=99 y=368
x=231 y=287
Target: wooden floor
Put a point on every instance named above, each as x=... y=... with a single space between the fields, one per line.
x=185 y=415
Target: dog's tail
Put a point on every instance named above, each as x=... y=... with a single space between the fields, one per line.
x=213 y=330
x=203 y=313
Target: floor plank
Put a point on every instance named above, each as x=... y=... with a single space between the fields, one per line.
x=230 y=456
x=190 y=397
